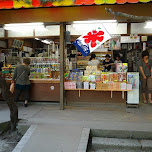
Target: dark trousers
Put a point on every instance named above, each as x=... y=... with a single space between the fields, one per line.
x=26 y=93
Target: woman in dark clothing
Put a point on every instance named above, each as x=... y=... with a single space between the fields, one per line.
x=21 y=75
x=145 y=66
x=107 y=63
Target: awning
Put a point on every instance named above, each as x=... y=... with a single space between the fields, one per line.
x=10 y=4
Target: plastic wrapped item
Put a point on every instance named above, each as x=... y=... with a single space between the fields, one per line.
x=86 y=72
x=79 y=85
x=92 y=85
x=113 y=76
x=92 y=78
x=123 y=86
x=85 y=78
x=94 y=68
x=98 y=85
x=105 y=76
x=89 y=68
x=98 y=78
x=73 y=85
x=121 y=67
x=67 y=85
x=79 y=76
x=66 y=75
x=111 y=85
x=129 y=86
x=97 y=72
x=116 y=85
x=86 y=85
x=105 y=85
x=121 y=76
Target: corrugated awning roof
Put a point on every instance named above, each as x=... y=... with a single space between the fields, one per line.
x=10 y=4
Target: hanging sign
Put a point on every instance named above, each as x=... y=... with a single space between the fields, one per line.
x=92 y=40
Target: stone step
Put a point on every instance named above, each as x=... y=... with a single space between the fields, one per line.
x=124 y=145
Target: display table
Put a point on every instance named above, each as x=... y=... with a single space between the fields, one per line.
x=43 y=90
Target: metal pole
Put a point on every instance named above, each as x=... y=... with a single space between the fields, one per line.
x=62 y=49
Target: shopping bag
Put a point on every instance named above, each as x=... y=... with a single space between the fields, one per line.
x=12 y=86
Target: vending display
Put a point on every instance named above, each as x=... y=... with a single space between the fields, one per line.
x=133 y=82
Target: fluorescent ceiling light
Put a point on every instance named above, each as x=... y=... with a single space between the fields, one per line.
x=24 y=26
x=95 y=21
x=148 y=25
x=37 y=39
x=46 y=41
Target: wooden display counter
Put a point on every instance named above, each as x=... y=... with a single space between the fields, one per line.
x=43 y=90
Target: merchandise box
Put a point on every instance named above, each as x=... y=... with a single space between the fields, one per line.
x=86 y=85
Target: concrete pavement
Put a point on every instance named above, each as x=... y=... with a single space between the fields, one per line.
x=60 y=131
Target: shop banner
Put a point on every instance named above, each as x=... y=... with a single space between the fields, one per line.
x=92 y=40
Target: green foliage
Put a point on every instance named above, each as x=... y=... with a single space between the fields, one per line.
x=25 y=1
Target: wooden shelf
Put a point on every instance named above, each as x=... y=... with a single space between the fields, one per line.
x=95 y=90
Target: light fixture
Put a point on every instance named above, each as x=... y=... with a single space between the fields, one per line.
x=37 y=39
x=148 y=24
x=46 y=41
x=95 y=21
x=24 y=26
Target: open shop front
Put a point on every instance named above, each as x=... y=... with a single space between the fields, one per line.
x=82 y=83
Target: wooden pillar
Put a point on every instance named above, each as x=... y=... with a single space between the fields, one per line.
x=128 y=29
x=62 y=49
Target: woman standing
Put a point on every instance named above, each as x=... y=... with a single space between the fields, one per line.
x=145 y=66
x=93 y=61
x=21 y=75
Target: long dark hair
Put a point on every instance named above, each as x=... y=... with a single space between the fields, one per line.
x=93 y=56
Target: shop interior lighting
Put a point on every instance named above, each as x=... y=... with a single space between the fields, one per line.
x=148 y=25
x=37 y=39
x=24 y=26
x=95 y=21
x=46 y=41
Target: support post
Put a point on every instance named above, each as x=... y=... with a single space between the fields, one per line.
x=62 y=50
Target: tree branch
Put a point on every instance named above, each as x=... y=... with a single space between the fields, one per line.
x=143 y=18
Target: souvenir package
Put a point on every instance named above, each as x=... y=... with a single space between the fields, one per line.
x=94 y=68
x=89 y=68
x=105 y=84
x=85 y=78
x=86 y=85
x=123 y=86
x=129 y=86
x=92 y=85
x=92 y=78
x=98 y=77
x=104 y=76
x=97 y=72
x=116 y=85
x=121 y=76
x=79 y=85
x=79 y=76
x=67 y=85
x=86 y=72
x=73 y=85
x=113 y=76
x=111 y=84
x=99 y=85
x=121 y=67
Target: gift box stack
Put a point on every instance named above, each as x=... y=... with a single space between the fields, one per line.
x=95 y=79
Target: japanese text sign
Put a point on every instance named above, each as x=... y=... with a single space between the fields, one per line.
x=92 y=40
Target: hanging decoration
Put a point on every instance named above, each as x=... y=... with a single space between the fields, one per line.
x=10 y=4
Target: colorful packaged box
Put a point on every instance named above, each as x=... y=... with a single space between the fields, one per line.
x=67 y=85
x=79 y=85
x=86 y=85
x=66 y=75
x=129 y=86
x=121 y=67
x=86 y=72
x=123 y=86
x=92 y=78
x=85 y=78
x=89 y=68
x=111 y=84
x=98 y=85
x=73 y=85
x=97 y=72
x=92 y=85
x=105 y=84
x=94 y=68
x=116 y=85
x=79 y=76
x=105 y=76
x=98 y=77
x=113 y=76
x=121 y=76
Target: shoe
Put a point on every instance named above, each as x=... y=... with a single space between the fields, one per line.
x=25 y=105
x=149 y=101
x=144 y=101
